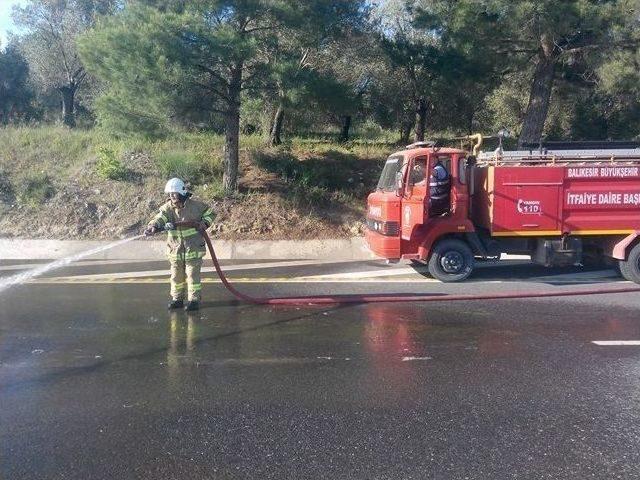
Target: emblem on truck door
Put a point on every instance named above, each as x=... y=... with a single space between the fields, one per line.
x=529 y=206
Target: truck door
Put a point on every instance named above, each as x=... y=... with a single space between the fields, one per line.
x=416 y=198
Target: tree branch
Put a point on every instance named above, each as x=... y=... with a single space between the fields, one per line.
x=211 y=89
x=582 y=48
x=256 y=29
x=83 y=75
x=213 y=73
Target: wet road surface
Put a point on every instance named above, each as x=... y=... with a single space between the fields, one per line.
x=98 y=380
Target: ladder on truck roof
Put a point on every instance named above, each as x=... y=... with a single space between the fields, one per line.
x=622 y=156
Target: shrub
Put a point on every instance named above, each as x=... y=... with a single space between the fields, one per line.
x=7 y=193
x=212 y=190
x=109 y=165
x=370 y=130
x=331 y=170
x=36 y=189
x=178 y=164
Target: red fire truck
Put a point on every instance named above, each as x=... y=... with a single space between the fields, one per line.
x=561 y=205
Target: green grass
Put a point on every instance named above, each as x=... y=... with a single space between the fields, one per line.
x=178 y=164
x=48 y=148
x=35 y=189
x=321 y=180
x=311 y=166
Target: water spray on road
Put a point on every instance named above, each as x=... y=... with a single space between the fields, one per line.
x=19 y=278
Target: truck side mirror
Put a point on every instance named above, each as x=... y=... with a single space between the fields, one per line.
x=399 y=184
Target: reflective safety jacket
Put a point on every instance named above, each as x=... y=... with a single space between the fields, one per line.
x=184 y=244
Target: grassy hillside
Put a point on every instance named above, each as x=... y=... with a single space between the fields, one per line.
x=57 y=183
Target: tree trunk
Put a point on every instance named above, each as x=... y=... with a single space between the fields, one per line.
x=346 y=125
x=405 y=131
x=232 y=133
x=421 y=119
x=276 y=128
x=470 y=116
x=68 y=106
x=538 y=107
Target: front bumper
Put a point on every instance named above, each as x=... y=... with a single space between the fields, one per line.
x=382 y=245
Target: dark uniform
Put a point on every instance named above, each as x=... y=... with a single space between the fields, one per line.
x=439 y=190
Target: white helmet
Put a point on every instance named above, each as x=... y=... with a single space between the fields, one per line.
x=175 y=185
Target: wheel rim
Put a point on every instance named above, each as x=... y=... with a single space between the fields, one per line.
x=452 y=262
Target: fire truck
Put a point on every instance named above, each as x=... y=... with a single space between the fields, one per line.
x=560 y=204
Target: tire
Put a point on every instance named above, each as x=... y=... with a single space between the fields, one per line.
x=451 y=261
x=630 y=268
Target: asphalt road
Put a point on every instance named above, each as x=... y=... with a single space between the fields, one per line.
x=99 y=381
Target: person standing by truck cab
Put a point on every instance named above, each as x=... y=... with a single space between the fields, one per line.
x=185 y=245
x=439 y=190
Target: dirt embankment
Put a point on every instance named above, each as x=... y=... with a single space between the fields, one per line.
x=282 y=195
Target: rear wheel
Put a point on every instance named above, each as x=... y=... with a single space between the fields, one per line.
x=451 y=261
x=630 y=268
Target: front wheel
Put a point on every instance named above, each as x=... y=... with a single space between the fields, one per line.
x=630 y=268
x=451 y=261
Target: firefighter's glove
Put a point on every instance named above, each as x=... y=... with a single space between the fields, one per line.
x=150 y=230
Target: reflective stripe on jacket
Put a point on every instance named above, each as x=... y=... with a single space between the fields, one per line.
x=184 y=244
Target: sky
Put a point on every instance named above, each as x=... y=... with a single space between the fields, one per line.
x=5 y=18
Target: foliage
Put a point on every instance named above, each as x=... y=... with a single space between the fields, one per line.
x=331 y=170
x=109 y=166
x=7 y=192
x=302 y=71
x=15 y=93
x=35 y=189
x=178 y=164
x=49 y=45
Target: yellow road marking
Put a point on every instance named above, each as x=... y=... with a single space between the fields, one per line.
x=102 y=281
x=70 y=280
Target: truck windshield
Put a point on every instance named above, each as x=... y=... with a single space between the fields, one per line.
x=387 y=182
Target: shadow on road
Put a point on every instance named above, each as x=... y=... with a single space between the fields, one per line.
x=518 y=273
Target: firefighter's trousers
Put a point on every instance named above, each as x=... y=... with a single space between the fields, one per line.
x=185 y=277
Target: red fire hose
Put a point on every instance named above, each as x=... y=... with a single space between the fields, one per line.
x=382 y=298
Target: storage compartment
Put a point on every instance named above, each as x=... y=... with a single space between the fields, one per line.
x=552 y=200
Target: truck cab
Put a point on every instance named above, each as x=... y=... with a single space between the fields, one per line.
x=413 y=207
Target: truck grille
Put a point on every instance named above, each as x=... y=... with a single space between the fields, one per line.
x=390 y=229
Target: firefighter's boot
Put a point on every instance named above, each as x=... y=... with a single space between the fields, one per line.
x=192 y=305
x=173 y=304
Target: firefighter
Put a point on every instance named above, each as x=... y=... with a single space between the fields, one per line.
x=439 y=190
x=185 y=246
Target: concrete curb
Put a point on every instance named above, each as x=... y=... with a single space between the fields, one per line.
x=335 y=249
x=348 y=249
